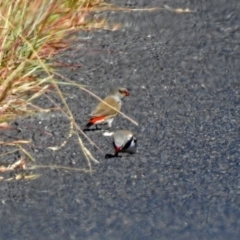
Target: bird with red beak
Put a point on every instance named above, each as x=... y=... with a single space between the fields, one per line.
x=108 y=109
x=123 y=141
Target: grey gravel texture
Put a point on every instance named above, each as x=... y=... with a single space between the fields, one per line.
x=184 y=182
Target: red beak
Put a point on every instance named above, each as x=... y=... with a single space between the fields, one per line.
x=127 y=93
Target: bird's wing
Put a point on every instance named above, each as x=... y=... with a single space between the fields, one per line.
x=104 y=110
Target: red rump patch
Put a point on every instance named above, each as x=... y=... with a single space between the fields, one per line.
x=96 y=120
x=117 y=149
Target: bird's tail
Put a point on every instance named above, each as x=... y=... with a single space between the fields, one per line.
x=87 y=126
x=94 y=121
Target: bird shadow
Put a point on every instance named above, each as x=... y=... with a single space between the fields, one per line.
x=92 y=129
x=108 y=155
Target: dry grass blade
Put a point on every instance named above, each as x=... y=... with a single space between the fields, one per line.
x=111 y=7
x=8 y=153
x=86 y=152
x=26 y=152
x=19 y=164
x=61 y=167
x=71 y=131
x=5 y=125
x=14 y=143
x=23 y=176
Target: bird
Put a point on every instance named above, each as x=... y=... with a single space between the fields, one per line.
x=107 y=110
x=123 y=141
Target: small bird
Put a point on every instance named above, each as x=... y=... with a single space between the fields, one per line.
x=123 y=141
x=104 y=114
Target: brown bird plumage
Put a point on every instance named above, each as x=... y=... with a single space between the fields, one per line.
x=104 y=114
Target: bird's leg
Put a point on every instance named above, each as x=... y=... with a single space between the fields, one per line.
x=116 y=155
x=109 y=123
x=97 y=128
x=92 y=129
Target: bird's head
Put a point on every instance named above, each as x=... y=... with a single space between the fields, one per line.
x=121 y=92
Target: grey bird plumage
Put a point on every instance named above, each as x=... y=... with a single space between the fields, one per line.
x=124 y=141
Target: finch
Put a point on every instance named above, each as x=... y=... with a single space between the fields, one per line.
x=123 y=141
x=103 y=113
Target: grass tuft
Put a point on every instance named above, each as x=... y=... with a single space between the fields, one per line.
x=31 y=33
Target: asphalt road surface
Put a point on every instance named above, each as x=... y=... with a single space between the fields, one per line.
x=183 y=70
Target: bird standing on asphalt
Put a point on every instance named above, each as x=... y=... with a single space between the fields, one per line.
x=123 y=141
x=103 y=113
